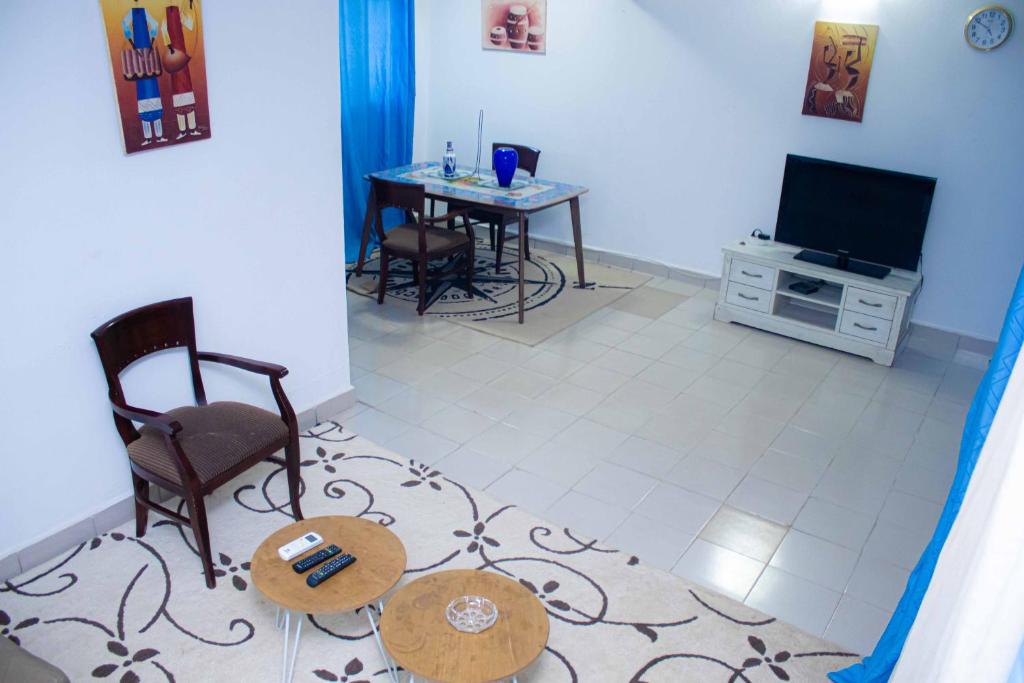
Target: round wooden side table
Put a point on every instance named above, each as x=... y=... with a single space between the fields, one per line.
x=380 y=563
x=418 y=636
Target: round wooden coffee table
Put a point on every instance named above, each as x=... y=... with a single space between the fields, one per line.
x=417 y=633
x=380 y=563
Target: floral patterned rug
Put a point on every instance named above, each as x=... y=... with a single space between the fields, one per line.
x=128 y=609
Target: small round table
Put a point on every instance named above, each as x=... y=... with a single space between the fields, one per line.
x=417 y=633
x=380 y=563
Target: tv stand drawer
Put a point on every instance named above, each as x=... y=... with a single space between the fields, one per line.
x=748 y=297
x=871 y=303
x=863 y=326
x=752 y=274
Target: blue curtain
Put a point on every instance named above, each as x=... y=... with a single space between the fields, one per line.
x=378 y=93
x=878 y=667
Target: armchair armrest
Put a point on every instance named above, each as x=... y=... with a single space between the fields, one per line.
x=158 y=421
x=260 y=367
x=464 y=212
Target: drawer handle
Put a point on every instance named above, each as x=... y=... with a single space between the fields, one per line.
x=865 y=327
x=748 y=298
x=868 y=303
x=758 y=275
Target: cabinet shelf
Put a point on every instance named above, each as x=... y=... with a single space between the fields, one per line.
x=829 y=293
x=806 y=312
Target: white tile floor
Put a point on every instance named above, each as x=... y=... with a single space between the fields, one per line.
x=802 y=481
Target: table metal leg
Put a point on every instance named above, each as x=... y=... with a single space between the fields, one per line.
x=577 y=237
x=392 y=672
x=288 y=664
x=522 y=267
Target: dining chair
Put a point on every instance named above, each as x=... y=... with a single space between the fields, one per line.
x=497 y=222
x=192 y=450
x=418 y=240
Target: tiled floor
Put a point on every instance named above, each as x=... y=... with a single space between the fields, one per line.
x=802 y=481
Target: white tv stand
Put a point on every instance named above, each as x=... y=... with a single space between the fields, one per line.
x=853 y=313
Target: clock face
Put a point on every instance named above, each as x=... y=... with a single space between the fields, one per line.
x=988 y=28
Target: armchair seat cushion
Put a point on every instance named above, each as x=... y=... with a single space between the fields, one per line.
x=404 y=240
x=214 y=437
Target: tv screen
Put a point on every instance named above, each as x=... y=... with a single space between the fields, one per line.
x=875 y=215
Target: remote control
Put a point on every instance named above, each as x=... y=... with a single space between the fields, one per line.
x=290 y=551
x=305 y=564
x=328 y=570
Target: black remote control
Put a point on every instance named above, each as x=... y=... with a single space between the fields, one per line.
x=328 y=570
x=305 y=564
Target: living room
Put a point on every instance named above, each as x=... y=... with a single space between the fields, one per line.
x=696 y=484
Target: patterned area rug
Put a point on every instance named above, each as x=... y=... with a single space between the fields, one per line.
x=131 y=609
x=552 y=301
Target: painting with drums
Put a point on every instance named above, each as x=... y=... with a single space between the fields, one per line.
x=515 y=26
x=837 y=81
x=158 y=61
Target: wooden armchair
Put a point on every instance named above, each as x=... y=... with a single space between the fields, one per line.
x=419 y=241
x=192 y=450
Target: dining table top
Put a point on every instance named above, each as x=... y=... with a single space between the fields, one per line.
x=525 y=194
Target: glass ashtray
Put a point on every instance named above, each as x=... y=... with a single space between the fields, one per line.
x=471 y=613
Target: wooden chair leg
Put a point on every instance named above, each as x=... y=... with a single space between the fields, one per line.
x=382 y=283
x=501 y=247
x=470 y=267
x=291 y=458
x=141 y=487
x=421 y=272
x=491 y=226
x=415 y=272
x=201 y=529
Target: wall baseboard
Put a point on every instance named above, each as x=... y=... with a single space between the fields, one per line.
x=967 y=350
x=641 y=265
x=123 y=510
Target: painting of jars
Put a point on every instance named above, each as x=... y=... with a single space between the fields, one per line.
x=516 y=26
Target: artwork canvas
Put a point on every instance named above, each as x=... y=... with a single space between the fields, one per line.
x=514 y=26
x=837 y=81
x=159 y=67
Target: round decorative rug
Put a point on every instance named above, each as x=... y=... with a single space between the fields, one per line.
x=552 y=299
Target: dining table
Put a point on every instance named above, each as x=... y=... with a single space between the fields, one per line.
x=525 y=196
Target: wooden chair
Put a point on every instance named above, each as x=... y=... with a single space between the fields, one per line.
x=528 y=158
x=419 y=241
x=192 y=450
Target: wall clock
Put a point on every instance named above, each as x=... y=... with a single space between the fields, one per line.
x=988 y=28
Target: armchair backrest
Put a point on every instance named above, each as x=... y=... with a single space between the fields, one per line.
x=405 y=196
x=133 y=335
x=528 y=156
x=410 y=198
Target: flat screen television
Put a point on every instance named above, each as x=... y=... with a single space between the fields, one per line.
x=855 y=218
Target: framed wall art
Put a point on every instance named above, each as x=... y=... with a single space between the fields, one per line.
x=514 y=26
x=837 y=80
x=159 y=66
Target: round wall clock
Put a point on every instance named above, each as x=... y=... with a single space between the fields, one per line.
x=988 y=27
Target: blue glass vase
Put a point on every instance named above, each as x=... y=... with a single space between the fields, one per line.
x=505 y=162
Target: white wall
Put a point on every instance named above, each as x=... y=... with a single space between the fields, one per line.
x=678 y=116
x=248 y=223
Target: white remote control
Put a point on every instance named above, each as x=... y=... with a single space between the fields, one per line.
x=300 y=545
